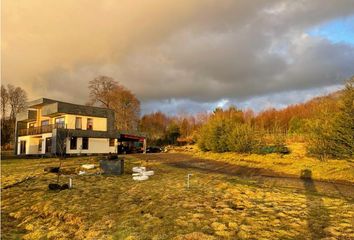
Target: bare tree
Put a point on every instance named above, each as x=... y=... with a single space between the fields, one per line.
x=4 y=102
x=17 y=100
x=101 y=91
x=108 y=93
x=13 y=100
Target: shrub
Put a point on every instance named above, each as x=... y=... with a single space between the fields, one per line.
x=213 y=136
x=242 y=138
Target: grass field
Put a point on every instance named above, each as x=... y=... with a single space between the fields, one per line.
x=291 y=164
x=222 y=203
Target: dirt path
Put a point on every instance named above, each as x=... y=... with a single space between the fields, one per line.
x=263 y=177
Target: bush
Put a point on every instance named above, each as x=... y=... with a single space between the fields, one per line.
x=213 y=136
x=242 y=138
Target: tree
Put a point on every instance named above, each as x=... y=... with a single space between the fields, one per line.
x=13 y=101
x=17 y=100
x=5 y=127
x=127 y=106
x=172 y=133
x=108 y=93
x=154 y=125
x=343 y=128
x=102 y=90
x=4 y=102
x=331 y=134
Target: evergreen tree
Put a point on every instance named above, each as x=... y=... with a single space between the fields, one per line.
x=343 y=129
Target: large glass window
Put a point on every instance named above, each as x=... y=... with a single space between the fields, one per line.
x=45 y=123
x=85 y=143
x=60 y=122
x=73 y=143
x=89 y=124
x=78 y=123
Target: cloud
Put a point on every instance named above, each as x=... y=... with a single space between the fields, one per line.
x=258 y=103
x=193 y=52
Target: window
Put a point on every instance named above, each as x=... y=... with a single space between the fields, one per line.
x=22 y=147
x=48 y=145
x=73 y=143
x=40 y=145
x=85 y=143
x=111 y=142
x=60 y=122
x=78 y=123
x=45 y=123
x=89 y=124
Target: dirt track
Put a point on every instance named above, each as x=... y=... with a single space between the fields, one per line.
x=263 y=177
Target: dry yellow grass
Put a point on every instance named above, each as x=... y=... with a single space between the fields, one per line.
x=217 y=206
x=291 y=164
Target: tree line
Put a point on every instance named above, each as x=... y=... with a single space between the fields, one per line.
x=326 y=123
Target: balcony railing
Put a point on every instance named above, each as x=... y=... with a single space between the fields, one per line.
x=39 y=130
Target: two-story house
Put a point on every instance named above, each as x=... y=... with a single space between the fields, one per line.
x=53 y=127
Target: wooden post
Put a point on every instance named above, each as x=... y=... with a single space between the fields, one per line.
x=144 y=145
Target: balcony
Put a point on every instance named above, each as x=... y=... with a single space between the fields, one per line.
x=39 y=130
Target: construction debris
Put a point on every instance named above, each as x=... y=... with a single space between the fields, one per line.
x=140 y=173
x=88 y=166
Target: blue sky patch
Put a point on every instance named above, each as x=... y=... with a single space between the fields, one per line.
x=337 y=31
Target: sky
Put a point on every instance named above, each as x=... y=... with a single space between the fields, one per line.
x=184 y=56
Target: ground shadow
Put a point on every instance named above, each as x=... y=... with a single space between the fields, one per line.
x=318 y=215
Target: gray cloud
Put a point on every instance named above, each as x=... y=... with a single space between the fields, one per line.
x=191 y=53
x=258 y=103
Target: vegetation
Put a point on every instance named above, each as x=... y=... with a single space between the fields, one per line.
x=217 y=206
x=325 y=123
x=108 y=93
x=331 y=134
x=161 y=129
x=13 y=101
x=229 y=131
x=284 y=165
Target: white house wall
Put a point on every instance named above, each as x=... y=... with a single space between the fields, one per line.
x=96 y=145
x=32 y=143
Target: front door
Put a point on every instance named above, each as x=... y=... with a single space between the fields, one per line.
x=22 y=147
x=48 y=145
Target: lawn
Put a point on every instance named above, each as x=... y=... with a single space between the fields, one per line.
x=218 y=205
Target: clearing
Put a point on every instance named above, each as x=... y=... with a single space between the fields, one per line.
x=225 y=201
